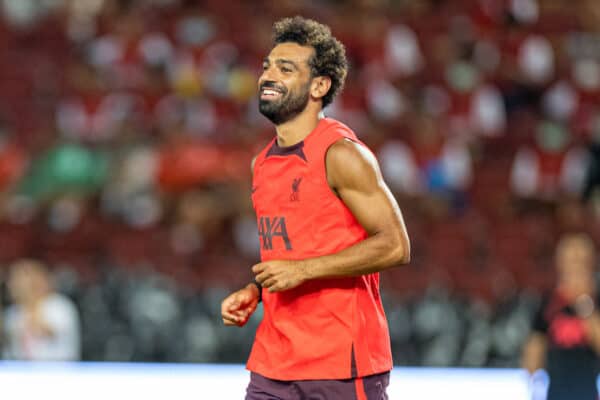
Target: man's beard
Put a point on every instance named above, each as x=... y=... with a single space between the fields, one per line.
x=288 y=106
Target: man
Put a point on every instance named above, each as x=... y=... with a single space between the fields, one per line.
x=566 y=331
x=328 y=224
x=41 y=325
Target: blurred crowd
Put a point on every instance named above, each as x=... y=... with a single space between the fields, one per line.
x=127 y=130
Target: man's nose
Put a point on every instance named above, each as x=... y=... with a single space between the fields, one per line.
x=268 y=74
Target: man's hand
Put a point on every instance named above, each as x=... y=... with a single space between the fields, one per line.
x=237 y=308
x=280 y=275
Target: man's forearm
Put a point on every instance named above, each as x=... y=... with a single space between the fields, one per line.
x=373 y=254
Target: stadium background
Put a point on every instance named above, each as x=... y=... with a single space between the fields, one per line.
x=127 y=130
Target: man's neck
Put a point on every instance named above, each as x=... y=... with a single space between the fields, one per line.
x=297 y=129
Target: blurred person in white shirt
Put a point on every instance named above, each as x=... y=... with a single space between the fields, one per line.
x=41 y=324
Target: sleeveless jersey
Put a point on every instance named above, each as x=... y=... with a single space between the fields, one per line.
x=323 y=329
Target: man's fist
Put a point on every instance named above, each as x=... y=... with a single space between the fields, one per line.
x=239 y=306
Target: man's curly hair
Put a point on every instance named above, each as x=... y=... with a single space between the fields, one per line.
x=329 y=58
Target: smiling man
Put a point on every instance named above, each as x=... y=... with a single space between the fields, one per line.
x=328 y=225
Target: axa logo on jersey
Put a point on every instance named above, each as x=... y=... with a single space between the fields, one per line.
x=273 y=227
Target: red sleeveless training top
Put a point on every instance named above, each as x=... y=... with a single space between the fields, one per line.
x=323 y=329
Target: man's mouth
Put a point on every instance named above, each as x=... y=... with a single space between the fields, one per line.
x=269 y=93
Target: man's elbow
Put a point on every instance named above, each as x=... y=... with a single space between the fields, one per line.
x=399 y=252
x=404 y=257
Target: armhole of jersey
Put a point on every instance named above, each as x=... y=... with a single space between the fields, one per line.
x=259 y=158
x=253 y=166
x=324 y=176
x=341 y=137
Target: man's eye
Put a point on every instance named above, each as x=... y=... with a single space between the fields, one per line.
x=265 y=67
x=285 y=69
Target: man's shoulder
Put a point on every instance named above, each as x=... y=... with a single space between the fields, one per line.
x=351 y=164
x=346 y=150
x=333 y=126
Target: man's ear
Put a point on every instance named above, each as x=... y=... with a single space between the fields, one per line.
x=320 y=86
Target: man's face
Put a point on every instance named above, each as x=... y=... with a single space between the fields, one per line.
x=284 y=86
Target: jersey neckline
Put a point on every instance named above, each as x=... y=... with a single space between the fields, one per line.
x=297 y=148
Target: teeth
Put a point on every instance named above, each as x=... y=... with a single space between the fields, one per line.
x=270 y=92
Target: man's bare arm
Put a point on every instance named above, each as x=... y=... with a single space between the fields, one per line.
x=353 y=172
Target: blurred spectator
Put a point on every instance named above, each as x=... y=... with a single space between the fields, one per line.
x=13 y=158
x=429 y=162
x=566 y=331
x=66 y=168
x=552 y=166
x=41 y=324
x=591 y=188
